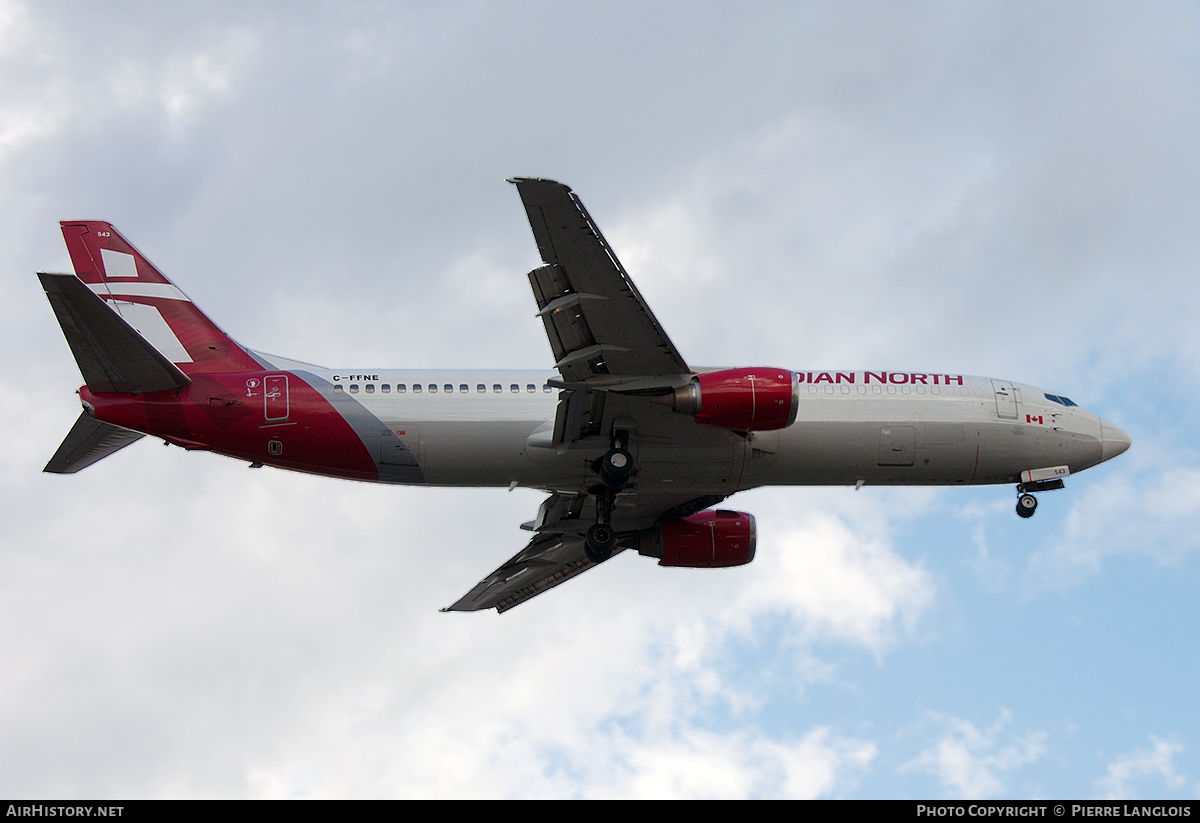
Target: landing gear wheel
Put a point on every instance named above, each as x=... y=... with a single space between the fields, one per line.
x=1026 y=505
x=615 y=468
x=598 y=544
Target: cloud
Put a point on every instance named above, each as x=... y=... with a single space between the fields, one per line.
x=1151 y=509
x=1134 y=774
x=978 y=763
x=714 y=766
x=969 y=188
x=838 y=584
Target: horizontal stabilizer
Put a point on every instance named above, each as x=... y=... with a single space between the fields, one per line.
x=88 y=442
x=112 y=356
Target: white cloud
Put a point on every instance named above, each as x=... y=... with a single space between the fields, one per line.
x=978 y=763
x=839 y=584
x=975 y=188
x=1143 y=771
x=1151 y=508
x=702 y=765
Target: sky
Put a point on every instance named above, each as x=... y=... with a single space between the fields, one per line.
x=1007 y=189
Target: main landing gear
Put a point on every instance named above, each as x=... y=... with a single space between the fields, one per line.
x=614 y=468
x=601 y=538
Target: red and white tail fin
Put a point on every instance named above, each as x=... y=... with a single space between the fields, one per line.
x=130 y=284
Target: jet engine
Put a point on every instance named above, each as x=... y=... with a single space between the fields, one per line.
x=707 y=540
x=751 y=399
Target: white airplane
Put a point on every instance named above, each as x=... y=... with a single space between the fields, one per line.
x=633 y=446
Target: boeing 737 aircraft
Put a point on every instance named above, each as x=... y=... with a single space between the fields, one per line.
x=633 y=447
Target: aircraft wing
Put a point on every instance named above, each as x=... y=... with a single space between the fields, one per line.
x=602 y=332
x=605 y=341
x=548 y=560
x=600 y=328
x=555 y=554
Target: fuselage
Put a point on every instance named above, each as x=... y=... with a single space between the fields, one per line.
x=634 y=447
x=491 y=428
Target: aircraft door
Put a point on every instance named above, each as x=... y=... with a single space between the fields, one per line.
x=1006 y=399
x=275 y=398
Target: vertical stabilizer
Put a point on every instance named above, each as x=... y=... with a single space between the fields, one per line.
x=118 y=273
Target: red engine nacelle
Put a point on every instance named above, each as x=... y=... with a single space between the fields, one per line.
x=708 y=540
x=752 y=399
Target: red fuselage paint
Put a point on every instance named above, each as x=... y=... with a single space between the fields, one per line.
x=242 y=415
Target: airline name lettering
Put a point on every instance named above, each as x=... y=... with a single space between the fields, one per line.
x=869 y=377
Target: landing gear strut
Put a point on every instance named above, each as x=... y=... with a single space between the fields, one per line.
x=614 y=468
x=1026 y=502
x=600 y=539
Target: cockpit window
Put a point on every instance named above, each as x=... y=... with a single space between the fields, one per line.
x=1058 y=398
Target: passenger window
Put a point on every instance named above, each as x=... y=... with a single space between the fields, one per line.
x=433 y=387
x=354 y=388
x=417 y=388
x=496 y=387
x=546 y=388
x=401 y=388
x=370 y=388
x=337 y=388
x=385 y=388
x=448 y=387
x=463 y=387
x=531 y=388
x=514 y=388
x=481 y=388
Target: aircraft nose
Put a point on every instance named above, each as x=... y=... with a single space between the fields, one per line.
x=1113 y=441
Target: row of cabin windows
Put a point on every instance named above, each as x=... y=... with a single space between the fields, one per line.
x=903 y=389
x=463 y=388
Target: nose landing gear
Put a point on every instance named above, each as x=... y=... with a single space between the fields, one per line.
x=1038 y=480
